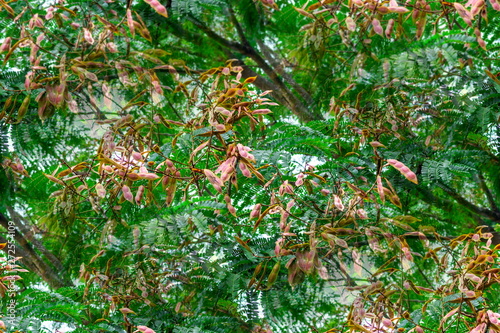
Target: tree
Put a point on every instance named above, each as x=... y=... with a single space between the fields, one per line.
x=156 y=184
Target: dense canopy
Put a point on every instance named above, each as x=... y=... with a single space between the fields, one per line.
x=249 y=166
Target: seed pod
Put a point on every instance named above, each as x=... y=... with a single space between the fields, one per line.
x=261 y=111
x=277 y=246
x=377 y=27
x=495 y=5
x=148 y=176
x=88 y=36
x=481 y=43
x=405 y=171
x=169 y=163
x=387 y=322
x=362 y=213
x=133 y=176
x=137 y=156
x=130 y=22
x=255 y=213
x=127 y=194
x=305 y=261
x=398 y=9
x=139 y=194
x=145 y=329
x=274 y=274
x=231 y=209
x=136 y=233
x=476 y=7
x=54 y=179
x=158 y=7
x=389 y=28
x=338 y=203
x=214 y=180
x=244 y=170
x=464 y=13
x=23 y=108
x=351 y=25
x=243 y=150
x=380 y=189
x=227 y=173
x=101 y=191
x=324 y=191
x=6 y=45
x=382 y=10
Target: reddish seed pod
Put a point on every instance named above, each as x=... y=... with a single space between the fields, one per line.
x=130 y=22
x=145 y=329
x=244 y=170
x=387 y=322
x=133 y=176
x=389 y=28
x=405 y=171
x=380 y=189
x=139 y=194
x=6 y=45
x=137 y=156
x=383 y=10
x=495 y=5
x=241 y=149
x=399 y=10
x=464 y=13
x=377 y=27
x=158 y=7
x=226 y=174
x=476 y=7
x=88 y=36
x=148 y=176
x=255 y=213
x=127 y=194
x=362 y=213
x=338 y=203
x=101 y=191
x=261 y=111
x=112 y=47
x=231 y=209
x=481 y=43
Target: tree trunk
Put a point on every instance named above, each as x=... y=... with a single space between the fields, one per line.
x=30 y=258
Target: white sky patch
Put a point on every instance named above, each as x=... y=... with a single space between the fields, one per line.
x=49 y=326
x=10 y=143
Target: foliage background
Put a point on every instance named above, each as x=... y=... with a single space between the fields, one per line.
x=365 y=193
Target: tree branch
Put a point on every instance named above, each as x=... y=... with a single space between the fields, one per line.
x=28 y=234
x=271 y=58
x=495 y=216
x=237 y=25
x=290 y=100
x=32 y=260
x=486 y=190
